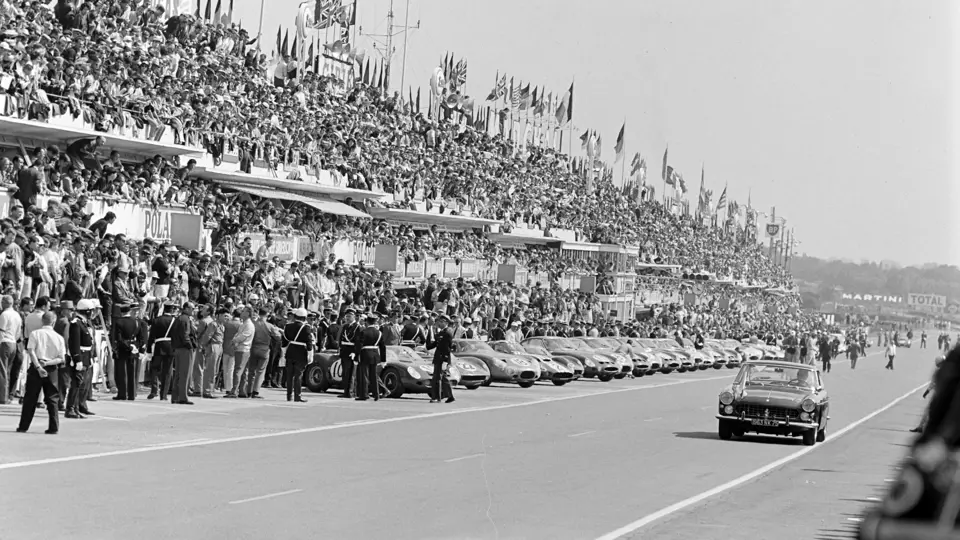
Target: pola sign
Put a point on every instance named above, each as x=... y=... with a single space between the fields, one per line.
x=927 y=301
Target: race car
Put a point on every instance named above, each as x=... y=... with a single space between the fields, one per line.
x=403 y=372
x=595 y=364
x=687 y=359
x=706 y=359
x=610 y=349
x=669 y=361
x=550 y=369
x=731 y=357
x=570 y=362
x=473 y=372
x=509 y=368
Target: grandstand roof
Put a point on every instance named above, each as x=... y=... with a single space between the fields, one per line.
x=29 y=129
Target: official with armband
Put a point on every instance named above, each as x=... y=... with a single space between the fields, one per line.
x=297 y=342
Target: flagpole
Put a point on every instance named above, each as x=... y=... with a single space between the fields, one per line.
x=403 y=62
x=260 y=27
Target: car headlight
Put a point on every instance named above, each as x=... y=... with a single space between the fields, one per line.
x=454 y=373
x=413 y=372
x=726 y=398
x=808 y=405
x=428 y=368
x=589 y=363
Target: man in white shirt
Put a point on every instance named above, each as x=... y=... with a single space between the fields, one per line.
x=242 y=343
x=46 y=351
x=513 y=334
x=11 y=325
x=890 y=353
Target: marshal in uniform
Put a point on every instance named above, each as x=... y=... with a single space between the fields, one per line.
x=297 y=341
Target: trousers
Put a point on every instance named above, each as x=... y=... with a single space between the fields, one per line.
x=51 y=397
x=440 y=385
x=77 y=396
x=295 y=377
x=7 y=353
x=126 y=376
x=160 y=375
x=252 y=377
x=367 y=381
x=240 y=361
x=205 y=368
x=183 y=366
x=347 y=364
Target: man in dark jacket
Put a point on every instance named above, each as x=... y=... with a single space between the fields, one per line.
x=370 y=351
x=298 y=340
x=184 y=339
x=347 y=347
x=159 y=345
x=126 y=337
x=441 y=344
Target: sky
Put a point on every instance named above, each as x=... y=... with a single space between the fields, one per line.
x=839 y=114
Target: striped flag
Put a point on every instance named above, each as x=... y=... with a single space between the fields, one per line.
x=722 y=201
x=618 y=147
x=565 y=109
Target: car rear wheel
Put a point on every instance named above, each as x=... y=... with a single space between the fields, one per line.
x=666 y=371
x=472 y=387
x=619 y=376
x=651 y=372
x=525 y=384
x=809 y=437
x=639 y=372
x=605 y=377
x=717 y=366
x=724 y=430
x=393 y=383
x=314 y=379
x=559 y=383
x=681 y=370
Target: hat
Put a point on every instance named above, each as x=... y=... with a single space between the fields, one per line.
x=372 y=317
x=85 y=304
x=349 y=311
x=443 y=317
x=67 y=304
x=515 y=323
x=300 y=312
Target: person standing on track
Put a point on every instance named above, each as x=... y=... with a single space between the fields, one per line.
x=348 y=336
x=853 y=352
x=297 y=340
x=442 y=344
x=370 y=351
x=46 y=351
x=161 y=351
x=183 y=337
x=826 y=352
x=126 y=337
x=80 y=346
x=890 y=353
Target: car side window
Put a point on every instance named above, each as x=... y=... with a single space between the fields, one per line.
x=536 y=343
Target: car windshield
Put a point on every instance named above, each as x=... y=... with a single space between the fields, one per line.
x=668 y=343
x=581 y=345
x=777 y=375
x=609 y=343
x=648 y=343
x=558 y=344
x=687 y=343
x=473 y=346
x=509 y=347
x=402 y=354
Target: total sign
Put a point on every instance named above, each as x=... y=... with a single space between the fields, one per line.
x=933 y=302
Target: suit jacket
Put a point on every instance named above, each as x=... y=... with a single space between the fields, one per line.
x=441 y=345
x=370 y=346
x=81 y=341
x=300 y=333
x=126 y=334
x=183 y=335
x=348 y=340
x=161 y=330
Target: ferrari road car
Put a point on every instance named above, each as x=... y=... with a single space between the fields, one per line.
x=403 y=372
x=550 y=370
x=504 y=367
x=775 y=398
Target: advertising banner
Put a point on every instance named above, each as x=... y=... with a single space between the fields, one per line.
x=284 y=247
x=451 y=270
x=415 y=269
x=863 y=299
x=468 y=268
x=929 y=302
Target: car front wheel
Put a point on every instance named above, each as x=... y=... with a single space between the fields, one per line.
x=809 y=437
x=725 y=430
x=605 y=377
x=392 y=382
x=525 y=384
x=822 y=435
x=559 y=383
x=314 y=379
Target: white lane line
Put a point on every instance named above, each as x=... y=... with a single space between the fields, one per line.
x=686 y=503
x=653 y=419
x=471 y=456
x=102 y=417
x=874 y=499
x=270 y=496
x=855 y=520
x=178 y=442
x=582 y=434
x=333 y=427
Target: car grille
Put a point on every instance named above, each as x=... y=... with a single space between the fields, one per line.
x=563 y=375
x=612 y=369
x=527 y=374
x=473 y=378
x=758 y=411
x=626 y=369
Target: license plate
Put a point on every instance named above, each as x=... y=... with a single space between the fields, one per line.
x=757 y=422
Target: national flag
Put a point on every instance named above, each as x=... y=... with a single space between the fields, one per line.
x=418 y=99
x=669 y=176
x=681 y=184
x=642 y=172
x=366 y=74
x=283 y=48
x=496 y=88
x=218 y=12
x=458 y=76
x=410 y=99
x=618 y=147
x=584 y=138
x=229 y=15
x=293 y=50
x=279 y=39
x=592 y=146
x=537 y=101
x=565 y=109
x=197 y=13
x=380 y=75
x=663 y=174
x=525 y=97
x=207 y=12
x=722 y=201
x=309 y=60
x=514 y=95
x=599 y=145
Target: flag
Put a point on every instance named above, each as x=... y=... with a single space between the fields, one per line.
x=565 y=109
x=410 y=100
x=446 y=67
x=722 y=201
x=537 y=101
x=293 y=50
x=380 y=75
x=279 y=39
x=229 y=15
x=418 y=99
x=206 y=12
x=366 y=74
x=197 y=14
x=326 y=13
x=618 y=147
x=283 y=48
x=703 y=201
x=636 y=164
x=514 y=95
x=599 y=145
x=669 y=176
x=584 y=138
x=309 y=60
x=592 y=146
x=525 y=97
x=664 y=174
x=681 y=184
x=496 y=87
x=458 y=75
x=218 y=12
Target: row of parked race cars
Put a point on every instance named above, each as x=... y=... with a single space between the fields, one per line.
x=558 y=360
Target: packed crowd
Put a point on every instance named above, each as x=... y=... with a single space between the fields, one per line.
x=127 y=64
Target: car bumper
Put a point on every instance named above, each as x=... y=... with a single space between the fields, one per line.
x=780 y=424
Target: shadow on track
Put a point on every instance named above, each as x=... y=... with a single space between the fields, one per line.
x=712 y=435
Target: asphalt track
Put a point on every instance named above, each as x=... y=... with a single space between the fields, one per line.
x=632 y=458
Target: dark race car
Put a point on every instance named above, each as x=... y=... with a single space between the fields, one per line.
x=595 y=364
x=404 y=372
x=550 y=369
x=775 y=398
x=571 y=363
x=509 y=368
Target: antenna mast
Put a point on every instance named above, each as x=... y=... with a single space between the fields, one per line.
x=383 y=43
